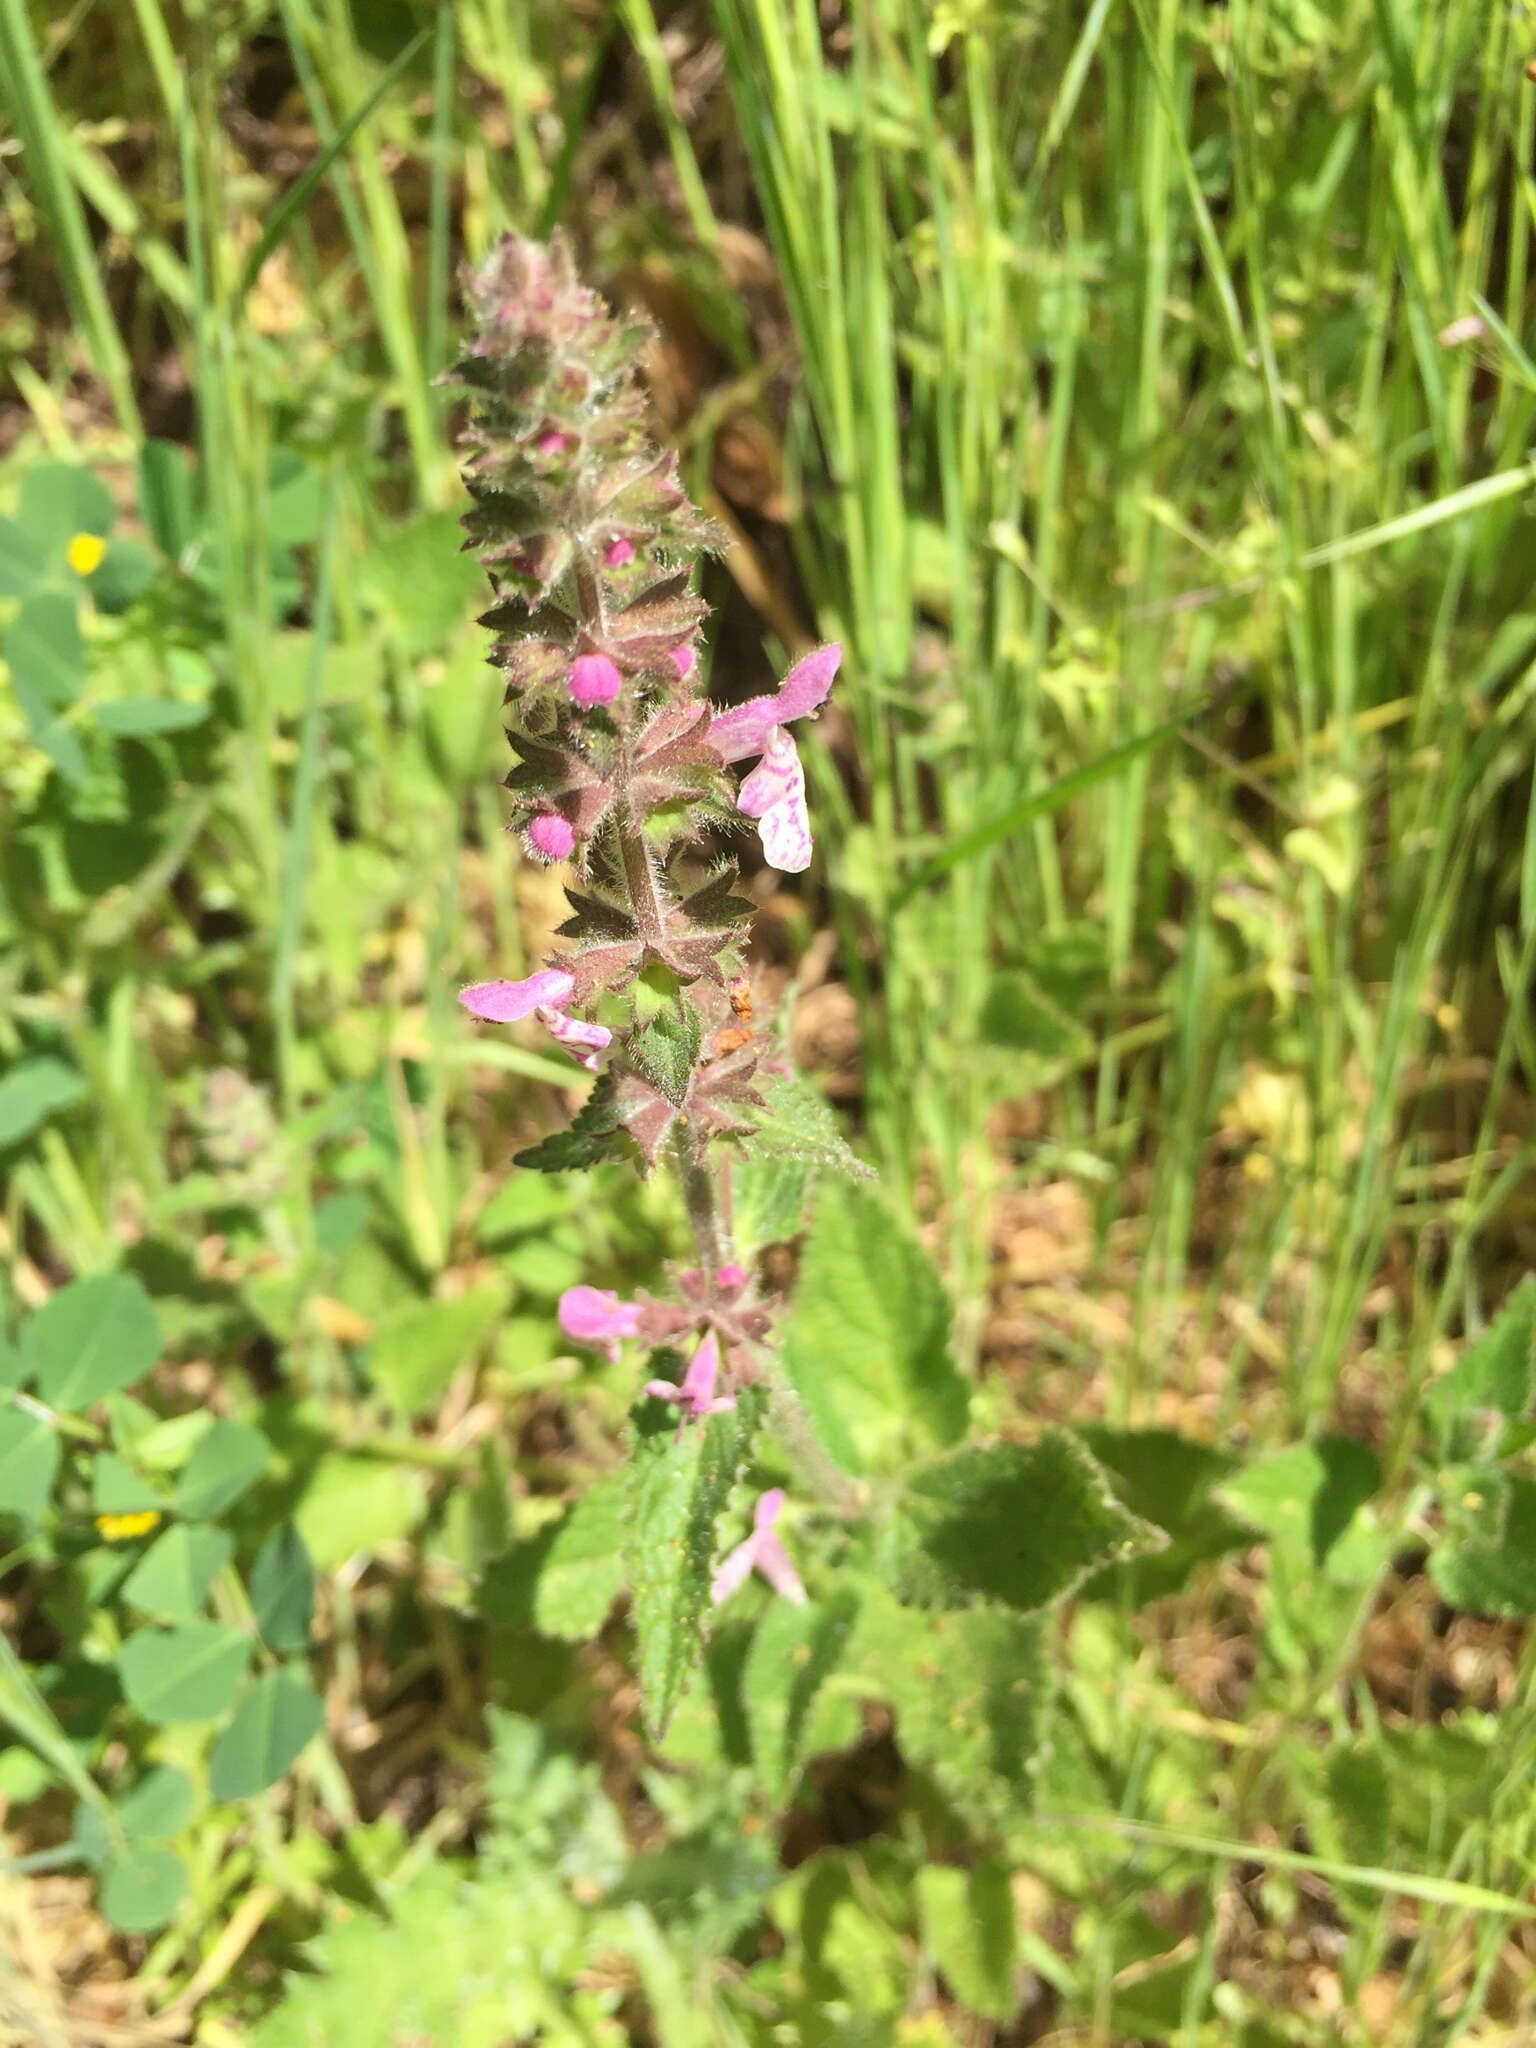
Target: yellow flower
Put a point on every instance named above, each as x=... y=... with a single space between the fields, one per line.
x=84 y=553
x=118 y=1528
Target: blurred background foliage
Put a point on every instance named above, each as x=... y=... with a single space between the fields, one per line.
x=1142 y=392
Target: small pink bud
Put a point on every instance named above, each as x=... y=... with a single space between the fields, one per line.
x=552 y=444
x=594 y=680
x=618 y=552
x=681 y=659
x=550 y=836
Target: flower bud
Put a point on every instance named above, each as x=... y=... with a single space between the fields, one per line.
x=594 y=680
x=618 y=552
x=550 y=836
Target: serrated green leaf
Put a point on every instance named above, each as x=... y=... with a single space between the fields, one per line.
x=564 y=1581
x=228 y=1461
x=794 y=1651
x=1022 y=1524
x=1306 y=1495
x=141 y=1888
x=970 y=1926
x=867 y=1344
x=1485 y=1563
x=273 y=1723
x=173 y=1577
x=590 y=1136
x=679 y=1484
x=666 y=1047
x=183 y=1674
x=44 y=649
x=770 y=1198
x=283 y=1590
x=582 y=1572
x=798 y=1124
x=29 y=1463
x=420 y=1347
x=34 y=1091
x=1496 y=1370
x=968 y=1688
x=1167 y=1480
x=1018 y=1013
x=92 y=1338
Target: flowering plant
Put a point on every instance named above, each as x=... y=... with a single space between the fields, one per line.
x=624 y=773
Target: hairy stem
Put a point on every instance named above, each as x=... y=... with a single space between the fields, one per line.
x=701 y=1197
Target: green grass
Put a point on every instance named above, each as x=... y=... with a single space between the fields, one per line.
x=1184 y=577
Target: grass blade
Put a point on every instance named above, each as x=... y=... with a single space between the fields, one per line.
x=1041 y=802
x=297 y=198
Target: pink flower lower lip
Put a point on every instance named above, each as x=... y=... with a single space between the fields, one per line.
x=763 y=1551
x=774 y=794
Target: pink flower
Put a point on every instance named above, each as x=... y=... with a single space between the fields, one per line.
x=595 y=1315
x=593 y=680
x=618 y=552
x=504 y=1002
x=762 y=1551
x=729 y=1279
x=582 y=1041
x=552 y=444
x=774 y=794
x=541 y=995
x=744 y=729
x=696 y=1396
x=550 y=836
x=682 y=659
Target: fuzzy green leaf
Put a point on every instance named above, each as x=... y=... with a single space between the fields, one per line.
x=679 y=1484
x=278 y=1716
x=968 y=1688
x=666 y=1047
x=867 y=1346
x=969 y=1921
x=799 y=1125
x=1486 y=1561
x=590 y=1136
x=1496 y=1370
x=1021 y=1524
x=790 y=1715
